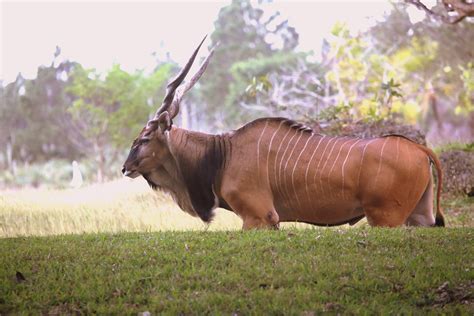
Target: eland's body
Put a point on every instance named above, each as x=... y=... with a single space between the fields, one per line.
x=288 y=173
x=274 y=170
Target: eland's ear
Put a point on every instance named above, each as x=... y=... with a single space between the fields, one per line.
x=152 y=124
x=164 y=121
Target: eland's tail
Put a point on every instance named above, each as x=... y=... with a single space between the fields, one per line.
x=439 y=218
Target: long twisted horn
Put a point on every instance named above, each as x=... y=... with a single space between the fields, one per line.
x=174 y=108
x=173 y=85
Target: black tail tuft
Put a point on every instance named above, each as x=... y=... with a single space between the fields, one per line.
x=439 y=221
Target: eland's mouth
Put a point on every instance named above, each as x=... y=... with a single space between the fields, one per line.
x=130 y=173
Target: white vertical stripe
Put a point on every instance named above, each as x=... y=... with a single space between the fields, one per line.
x=380 y=161
x=325 y=163
x=276 y=161
x=337 y=157
x=398 y=149
x=408 y=162
x=344 y=165
x=288 y=160
x=392 y=180
x=396 y=163
x=281 y=161
x=268 y=153
x=320 y=159
x=258 y=149
x=362 y=160
x=307 y=167
x=294 y=168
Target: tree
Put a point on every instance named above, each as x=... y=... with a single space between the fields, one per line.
x=243 y=32
x=447 y=72
x=30 y=114
x=460 y=9
x=365 y=82
x=285 y=84
x=110 y=110
x=10 y=119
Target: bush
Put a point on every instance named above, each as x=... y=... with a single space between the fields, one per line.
x=54 y=174
x=458 y=169
x=456 y=146
x=373 y=129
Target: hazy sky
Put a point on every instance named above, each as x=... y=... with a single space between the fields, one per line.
x=98 y=34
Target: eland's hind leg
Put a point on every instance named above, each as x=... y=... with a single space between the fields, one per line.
x=423 y=215
x=386 y=216
x=385 y=212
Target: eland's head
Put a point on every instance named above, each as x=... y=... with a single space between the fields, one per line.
x=150 y=151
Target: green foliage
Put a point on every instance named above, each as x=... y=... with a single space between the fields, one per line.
x=252 y=67
x=428 y=56
x=110 y=109
x=54 y=173
x=258 y=85
x=466 y=104
x=338 y=112
x=416 y=57
x=354 y=271
x=114 y=107
x=69 y=112
x=391 y=88
x=468 y=147
x=251 y=76
x=366 y=81
x=285 y=84
x=242 y=32
x=382 y=81
x=31 y=113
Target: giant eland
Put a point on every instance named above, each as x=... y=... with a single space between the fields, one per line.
x=276 y=170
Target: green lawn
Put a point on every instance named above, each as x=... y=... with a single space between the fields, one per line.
x=303 y=272
x=173 y=263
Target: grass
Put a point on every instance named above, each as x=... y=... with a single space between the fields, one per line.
x=301 y=272
x=119 y=248
x=130 y=205
x=124 y=205
x=459 y=211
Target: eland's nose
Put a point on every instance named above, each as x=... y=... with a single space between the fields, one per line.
x=123 y=170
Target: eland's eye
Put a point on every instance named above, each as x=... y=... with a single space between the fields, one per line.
x=144 y=140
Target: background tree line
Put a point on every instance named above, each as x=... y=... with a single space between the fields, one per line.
x=418 y=73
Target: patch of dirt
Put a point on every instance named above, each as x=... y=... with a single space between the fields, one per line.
x=64 y=309
x=446 y=294
x=458 y=171
x=463 y=293
x=332 y=307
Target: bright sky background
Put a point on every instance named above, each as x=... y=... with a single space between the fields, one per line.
x=98 y=34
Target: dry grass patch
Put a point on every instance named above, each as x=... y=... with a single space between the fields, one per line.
x=123 y=205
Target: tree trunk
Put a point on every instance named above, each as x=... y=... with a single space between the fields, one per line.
x=9 y=156
x=100 y=157
x=184 y=113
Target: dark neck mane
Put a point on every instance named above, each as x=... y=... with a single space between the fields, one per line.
x=200 y=159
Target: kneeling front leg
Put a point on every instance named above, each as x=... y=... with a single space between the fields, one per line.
x=255 y=214
x=271 y=221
